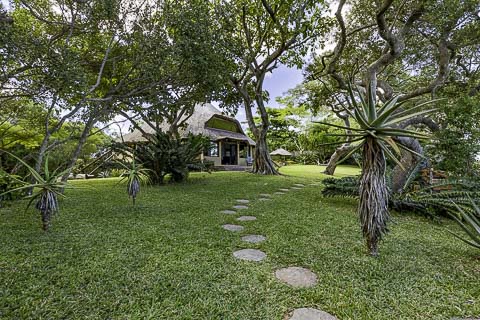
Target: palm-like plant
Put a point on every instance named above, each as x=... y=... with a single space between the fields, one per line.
x=470 y=223
x=46 y=190
x=376 y=137
x=135 y=176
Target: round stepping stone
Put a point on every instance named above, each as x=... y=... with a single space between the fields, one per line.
x=297 y=277
x=266 y=195
x=246 y=218
x=299 y=185
x=311 y=314
x=264 y=199
x=250 y=255
x=232 y=227
x=254 y=238
x=229 y=212
x=279 y=192
x=284 y=190
x=240 y=207
x=243 y=201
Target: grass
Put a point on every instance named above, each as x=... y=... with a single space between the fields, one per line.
x=168 y=258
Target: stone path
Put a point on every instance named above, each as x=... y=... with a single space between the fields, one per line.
x=250 y=255
x=240 y=207
x=311 y=314
x=254 y=238
x=297 y=277
x=246 y=218
x=233 y=227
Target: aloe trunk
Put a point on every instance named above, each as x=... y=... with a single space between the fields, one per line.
x=372 y=208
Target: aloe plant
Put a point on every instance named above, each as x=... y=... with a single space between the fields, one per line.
x=376 y=138
x=47 y=187
x=470 y=223
x=135 y=176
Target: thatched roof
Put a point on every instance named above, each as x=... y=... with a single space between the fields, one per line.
x=280 y=152
x=196 y=125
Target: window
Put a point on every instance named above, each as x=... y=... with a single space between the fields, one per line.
x=212 y=151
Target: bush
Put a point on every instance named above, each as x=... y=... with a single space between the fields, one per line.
x=165 y=155
x=8 y=183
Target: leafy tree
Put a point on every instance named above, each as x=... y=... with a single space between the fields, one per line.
x=258 y=35
x=410 y=49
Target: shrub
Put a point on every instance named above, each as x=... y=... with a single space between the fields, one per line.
x=164 y=154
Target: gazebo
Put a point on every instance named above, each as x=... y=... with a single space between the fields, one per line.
x=281 y=152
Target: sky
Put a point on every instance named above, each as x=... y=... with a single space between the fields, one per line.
x=276 y=83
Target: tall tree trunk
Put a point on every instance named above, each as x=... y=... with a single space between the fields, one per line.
x=83 y=138
x=263 y=163
x=41 y=151
x=373 y=204
x=341 y=151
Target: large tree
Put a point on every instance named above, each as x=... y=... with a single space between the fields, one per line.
x=258 y=35
x=408 y=48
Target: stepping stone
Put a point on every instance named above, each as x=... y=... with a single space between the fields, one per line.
x=299 y=185
x=311 y=314
x=240 y=207
x=297 y=277
x=254 y=238
x=243 y=201
x=296 y=188
x=264 y=199
x=250 y=255
x=279 y=192
x=284 y=190
x=232 y=227
x=246 y=218
x=266 y=195
x=229 y=212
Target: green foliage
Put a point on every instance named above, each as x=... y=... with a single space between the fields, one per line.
x=344 y=187
x=457 y=144
x=164 y=154
x=470 y=223
x=428 y=200
x=46 y=190
x=8 y=182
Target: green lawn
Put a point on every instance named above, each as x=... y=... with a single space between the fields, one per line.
x=169 y=258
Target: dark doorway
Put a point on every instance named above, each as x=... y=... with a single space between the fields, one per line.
x=229 y=154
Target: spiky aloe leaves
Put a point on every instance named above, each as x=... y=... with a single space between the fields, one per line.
x=46 y=190
x=381 y=124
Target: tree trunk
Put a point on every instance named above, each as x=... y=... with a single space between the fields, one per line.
x=263 y=163
x=372 y=208
x=409 y=162
x=83 y=138
x=343 y=150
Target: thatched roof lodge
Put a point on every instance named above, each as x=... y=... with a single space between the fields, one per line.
x=230 y=145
